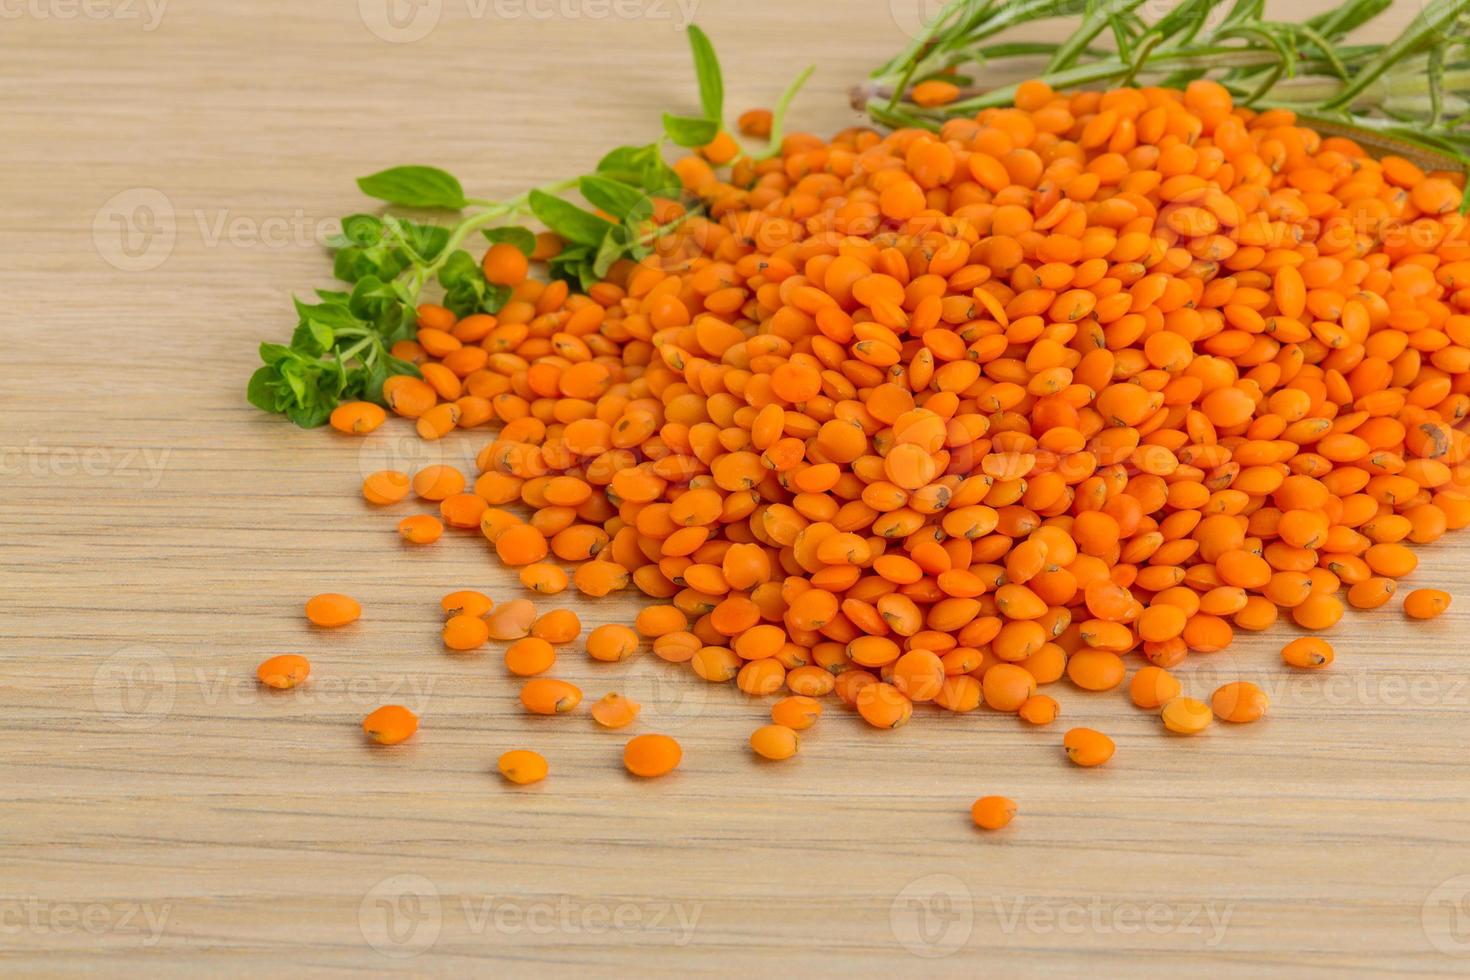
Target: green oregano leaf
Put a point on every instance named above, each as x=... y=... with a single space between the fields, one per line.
x=415 y=187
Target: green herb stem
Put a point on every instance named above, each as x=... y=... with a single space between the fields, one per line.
x=1416 y=87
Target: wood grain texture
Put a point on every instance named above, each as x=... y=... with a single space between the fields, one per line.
x=163 y=815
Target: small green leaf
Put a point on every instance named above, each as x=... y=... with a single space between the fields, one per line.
x=464 y=298
x=321 y=333
x=427 y=241
x=274 y=354
x=688 y=131
x=417 y=187
x=263 y=389
x=568 y=220
x=613 y=247
x=353 y=262
x=617 y=199
x=362 y=230
x=778 y=117
x=459 y=267
x=313 y=337
x=626 y=163
x=463 y=282
x=370 y=380
x=310 y=416
x=640 y=166
x=333 y=313
x=707 y=70
x=521 y=238
x=398 y=366
x=573 y=262
x=495 y=298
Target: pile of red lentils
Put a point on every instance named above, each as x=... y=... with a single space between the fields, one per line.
x=941 y=419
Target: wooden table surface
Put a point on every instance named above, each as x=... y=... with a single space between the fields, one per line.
x=168 y=173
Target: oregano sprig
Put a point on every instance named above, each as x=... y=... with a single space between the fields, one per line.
x=342 y=346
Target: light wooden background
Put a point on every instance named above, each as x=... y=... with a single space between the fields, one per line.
x=161 y=814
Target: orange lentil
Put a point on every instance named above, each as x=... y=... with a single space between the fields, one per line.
x=774 y=742
x=1317 y=612
x=522 y=766
x=884 y=706
x=656 y=621
x=1007 y=687
x=715 y=664
x=464 y=633
x=1153 y=687
x=1095 y=670
x=463 y=510
x=613 y=710
x=677 y=648
x=437 y=482
x=385 y=487
x=992 y=812
x=357 y=418
x=599 y=578
x=1371 y=593
x=332 y=609
x=1087 y=747
x=1239 y=702
x=529 y=656
x=1426 y=603
x=1186 y=716
x=557 y=626
x=544 y=578
x=545 y=696
x=652 y=755
x=934 y=92
x=390 y=724
x=1308 y=652
x=796 y=712
x=511 y=620
x=283 y=672
x=421 y=529
x=505 y=265
x=466 y=602
x=521 y=544
x=756 y=123
x=611 y=643
x=1039 y=710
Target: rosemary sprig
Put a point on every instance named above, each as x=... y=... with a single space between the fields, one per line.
x=1411 y=94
